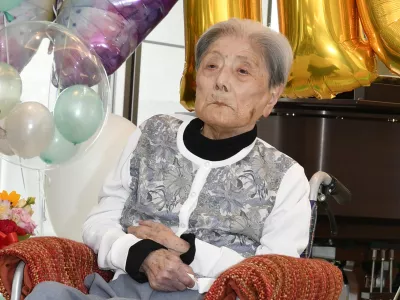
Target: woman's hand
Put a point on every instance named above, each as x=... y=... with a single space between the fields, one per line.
x=166 y=272
x=160 y=234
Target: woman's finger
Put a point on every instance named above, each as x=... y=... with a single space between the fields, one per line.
x=147 y=223
x=140 y=232
x=187 y=269
x=186 y=280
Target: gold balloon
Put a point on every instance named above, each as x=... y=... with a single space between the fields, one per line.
x=381 y=22
x=199 y=16
x=330 y=54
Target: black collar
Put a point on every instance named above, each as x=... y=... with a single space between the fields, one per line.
x=215 y=150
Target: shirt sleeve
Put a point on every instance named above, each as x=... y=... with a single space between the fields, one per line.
x=102 y=230
x=286 y=229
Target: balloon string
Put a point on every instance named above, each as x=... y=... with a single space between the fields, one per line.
x=42 y=204
x=22 y=176
x=5 y=19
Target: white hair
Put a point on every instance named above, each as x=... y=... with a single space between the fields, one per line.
x=275 y=48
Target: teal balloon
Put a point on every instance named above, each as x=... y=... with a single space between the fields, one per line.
x=6 y=5
x=59 y=151
x=78 y=113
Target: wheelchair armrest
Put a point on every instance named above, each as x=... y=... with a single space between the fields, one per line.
x=46 y=259
x=18 y=281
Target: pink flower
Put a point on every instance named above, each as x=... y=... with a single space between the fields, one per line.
x=23 y=219
x=5 y=210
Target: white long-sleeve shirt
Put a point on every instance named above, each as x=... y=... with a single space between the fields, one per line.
x=285 y=230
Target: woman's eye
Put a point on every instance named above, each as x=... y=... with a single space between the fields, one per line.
x=211 y=66
x=243 y=71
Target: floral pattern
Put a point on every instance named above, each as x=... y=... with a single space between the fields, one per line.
x=233 y=204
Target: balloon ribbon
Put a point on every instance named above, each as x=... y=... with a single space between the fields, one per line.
x=8 y=16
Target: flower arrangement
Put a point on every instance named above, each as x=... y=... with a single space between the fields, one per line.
x=15 y=218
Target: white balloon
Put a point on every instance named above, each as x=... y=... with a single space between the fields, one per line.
x=29 y=128
x=5 y=148
x=72 y=190
x=10 y=88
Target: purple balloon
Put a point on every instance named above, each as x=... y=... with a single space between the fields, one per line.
x=113 y=28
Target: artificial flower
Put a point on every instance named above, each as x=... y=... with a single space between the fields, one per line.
x=29 y=227
x=28 y=209
x=13 y=197
x=5 y=210
x=23 y=219
x=26 y=204
x=31 y=201
x=20 y=231
x=7 y=226
x=21 y=203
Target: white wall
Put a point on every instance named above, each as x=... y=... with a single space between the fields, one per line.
x=161 y=68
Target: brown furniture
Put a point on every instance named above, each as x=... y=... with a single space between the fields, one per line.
x=355 y=137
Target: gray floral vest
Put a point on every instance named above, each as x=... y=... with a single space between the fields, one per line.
x=233 y=204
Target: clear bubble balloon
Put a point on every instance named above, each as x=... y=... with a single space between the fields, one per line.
x=26 y=10
x=49 y=47
x=29 y=128
x=10 y=88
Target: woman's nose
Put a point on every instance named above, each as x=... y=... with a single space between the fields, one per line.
x=220 y=86
x=222 y=81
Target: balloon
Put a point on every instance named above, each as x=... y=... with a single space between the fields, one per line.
x=4 y=146
x=50 y=48
x=199 y=16
x=78 y=113
x=59 y=151
x=17 y=46
x=330 y=55
x=113 y=28
x=381 y=22
x=78 y=182
x=29 y=128
x=27 y=10
x=10 y=88
x=6 y=5
x=73 y=67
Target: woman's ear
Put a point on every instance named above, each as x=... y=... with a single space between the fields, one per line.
x=275 y=94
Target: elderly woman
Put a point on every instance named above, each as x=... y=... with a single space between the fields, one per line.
x=190 y=198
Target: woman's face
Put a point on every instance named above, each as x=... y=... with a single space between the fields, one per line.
x=232 y=85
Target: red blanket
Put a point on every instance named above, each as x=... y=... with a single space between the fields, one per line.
x=48 y=259
x=276 y=277
x=257 y=278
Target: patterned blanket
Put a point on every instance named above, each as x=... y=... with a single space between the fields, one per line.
x=271 y=277
x=48 y=259
x=274 y=277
